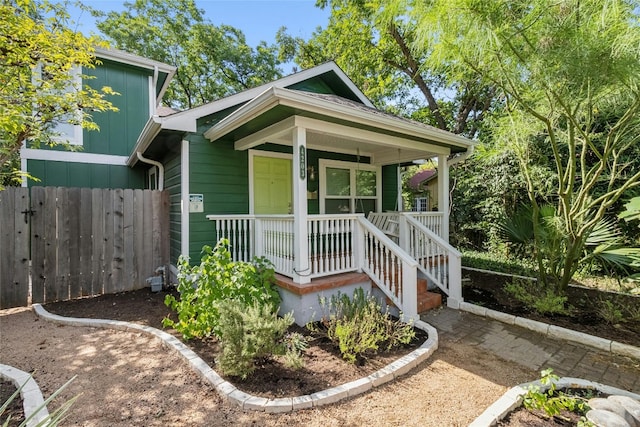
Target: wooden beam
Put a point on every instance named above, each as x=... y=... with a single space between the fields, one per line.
x=269 y=134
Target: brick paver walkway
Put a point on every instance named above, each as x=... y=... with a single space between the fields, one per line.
x=535 y=350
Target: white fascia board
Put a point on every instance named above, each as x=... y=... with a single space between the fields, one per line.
x=72 y=157
x=249 y=94
x=291 y=98
x=150 y=130
x=135 y=60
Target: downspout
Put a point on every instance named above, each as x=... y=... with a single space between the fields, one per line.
x=158 y=165
x=461 y=158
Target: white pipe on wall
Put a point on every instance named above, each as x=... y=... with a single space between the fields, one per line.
x=160 y=167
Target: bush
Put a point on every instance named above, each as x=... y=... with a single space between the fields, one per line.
x=553 y=402
x=215 y=279
x=533 y=296
x=495 y=262
x=254 y=331
x=358 y=326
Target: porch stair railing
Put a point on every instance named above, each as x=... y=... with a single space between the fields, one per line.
x=437 y=259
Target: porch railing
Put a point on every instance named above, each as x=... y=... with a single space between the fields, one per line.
x=431 y=220
x=337 y=244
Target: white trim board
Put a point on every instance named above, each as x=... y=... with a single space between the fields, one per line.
x=184 y=196
x=72 y=157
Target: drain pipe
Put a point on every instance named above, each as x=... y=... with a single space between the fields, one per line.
x=158 y=165
x=464 y=156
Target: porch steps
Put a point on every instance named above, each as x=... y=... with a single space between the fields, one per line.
x=426 y=300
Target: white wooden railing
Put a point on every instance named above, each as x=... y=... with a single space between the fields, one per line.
x=337 y=244
x=392 y=269
x=431 y=220
x=331 y=244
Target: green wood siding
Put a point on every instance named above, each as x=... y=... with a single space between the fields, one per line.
x=390 y=188
x=63 y=174
x=220 y=173
x=172 y=183
x=119 y=130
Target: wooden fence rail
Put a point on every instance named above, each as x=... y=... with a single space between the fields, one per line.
x=82 y=241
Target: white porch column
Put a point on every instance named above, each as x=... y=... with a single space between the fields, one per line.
x=443 y=194
x=301 y=267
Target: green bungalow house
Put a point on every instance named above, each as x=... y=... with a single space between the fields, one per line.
x=303 y=171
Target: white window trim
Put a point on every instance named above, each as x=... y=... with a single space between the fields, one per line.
x=323 y=164
x=77 y=137
x=260 y=153
x=152 y=178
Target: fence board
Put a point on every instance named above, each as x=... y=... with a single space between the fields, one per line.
x=117 y=263
x=81 y=242
x=108 y=286
x=50 y=243
x=61 y=287
x=14 y=239
x=74 y=232
x=98 y=243
x=128 y=279
x=85 y=242
x=38 y=242
x=139 y=237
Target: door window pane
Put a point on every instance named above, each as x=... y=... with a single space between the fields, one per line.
x=337 y=206
x=365 y=206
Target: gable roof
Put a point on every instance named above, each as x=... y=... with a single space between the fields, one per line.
x=335 y=110
x=122 y=57
x=186 y=121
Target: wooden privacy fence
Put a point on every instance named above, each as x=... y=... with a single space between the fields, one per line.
x=80 y=241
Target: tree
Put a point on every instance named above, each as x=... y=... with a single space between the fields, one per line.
x=569 y=73
x=374 y=43
x=212 y=62
x=39 y=87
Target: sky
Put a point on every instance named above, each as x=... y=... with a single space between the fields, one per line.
x=258 y=19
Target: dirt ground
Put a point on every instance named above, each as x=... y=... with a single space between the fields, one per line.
x=127 y=379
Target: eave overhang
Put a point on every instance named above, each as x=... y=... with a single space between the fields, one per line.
x=394 y=130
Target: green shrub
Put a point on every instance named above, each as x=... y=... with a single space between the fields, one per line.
x=217 y=278
x=358 y=326
x=553 y=402
x=535 y=297
x=496 y=262
x=249 y=332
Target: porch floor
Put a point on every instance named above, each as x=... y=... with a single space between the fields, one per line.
x=321 y=283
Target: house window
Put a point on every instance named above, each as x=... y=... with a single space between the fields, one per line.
x=67 y=129
x=349 y=187
x=152 y=178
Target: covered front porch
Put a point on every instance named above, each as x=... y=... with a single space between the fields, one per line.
x=326 y=219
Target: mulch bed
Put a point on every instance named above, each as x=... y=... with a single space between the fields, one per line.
x=323 y=368
x=488 y=291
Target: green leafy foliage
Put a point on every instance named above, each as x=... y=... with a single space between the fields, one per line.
x=53 y=419
x=542 y=299
x=358 y=325
x=568 y=75
x=501 y=263
x=553 y=401
x=213 y=61
x=215 y=279
x=248 y=332
x=38 y=89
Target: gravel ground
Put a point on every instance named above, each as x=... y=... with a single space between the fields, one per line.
x=127 y=379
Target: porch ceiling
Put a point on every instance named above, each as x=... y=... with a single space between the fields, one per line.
x=334 y=126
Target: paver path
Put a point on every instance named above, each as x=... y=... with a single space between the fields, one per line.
x=535 y=350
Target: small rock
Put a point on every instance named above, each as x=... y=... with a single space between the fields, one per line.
x=631 y=405
x=612 y=406
x=603 y=418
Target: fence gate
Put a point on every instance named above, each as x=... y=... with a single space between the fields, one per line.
x=80 y=241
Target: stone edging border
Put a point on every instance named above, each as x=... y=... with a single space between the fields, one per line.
x=512 y=399
x=255 y=403
x=554 y=331
x=32 y=400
